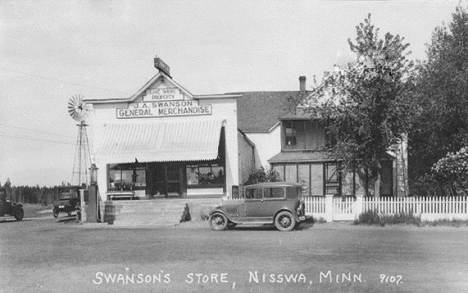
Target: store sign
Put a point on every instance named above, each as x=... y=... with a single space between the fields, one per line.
x=163 y=94
x=162 y=66
x=164 y=109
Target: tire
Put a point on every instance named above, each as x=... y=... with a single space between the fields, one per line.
x=218 y=222
x=18 y=214
x=285 y=221
x=56 y=213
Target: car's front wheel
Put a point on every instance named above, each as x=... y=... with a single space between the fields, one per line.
x=285 y=221
x=218 y=222
x=56 y=213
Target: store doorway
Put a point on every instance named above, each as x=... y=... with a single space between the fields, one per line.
x=167 y=180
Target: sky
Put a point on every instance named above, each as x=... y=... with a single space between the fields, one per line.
x=53 y=50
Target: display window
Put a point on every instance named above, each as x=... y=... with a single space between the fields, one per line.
x=126 y=177
x=205 y=174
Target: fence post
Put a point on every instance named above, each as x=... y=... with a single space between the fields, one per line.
x=329 y=207
x=359 y=206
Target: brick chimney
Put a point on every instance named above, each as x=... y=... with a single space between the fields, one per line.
x=302 y=84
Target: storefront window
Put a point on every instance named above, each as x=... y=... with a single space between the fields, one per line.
x=205 y=174
x=126 y=177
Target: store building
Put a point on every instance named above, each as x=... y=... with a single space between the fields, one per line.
x=163 y=141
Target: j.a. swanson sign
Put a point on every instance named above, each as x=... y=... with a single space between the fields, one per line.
x=163 y=103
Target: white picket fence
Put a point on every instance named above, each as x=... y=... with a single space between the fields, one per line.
x=348 y=208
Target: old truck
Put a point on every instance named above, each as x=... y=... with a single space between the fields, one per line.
x=8 y=208
x=68 y=200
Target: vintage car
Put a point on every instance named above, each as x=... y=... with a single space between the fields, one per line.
x=274 y=203
x=68 y=202
x=10 y=208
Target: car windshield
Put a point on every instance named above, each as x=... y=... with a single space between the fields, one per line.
x=67 y=195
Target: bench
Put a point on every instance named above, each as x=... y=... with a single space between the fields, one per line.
x=120 y=195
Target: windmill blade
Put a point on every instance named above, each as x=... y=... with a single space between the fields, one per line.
x=77 y=109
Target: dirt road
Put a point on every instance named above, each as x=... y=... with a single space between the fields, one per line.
x=43 y=255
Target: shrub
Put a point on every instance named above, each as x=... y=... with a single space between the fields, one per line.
x=369 y=218
x=261 y=175
x=403 y=218
x=374 y=218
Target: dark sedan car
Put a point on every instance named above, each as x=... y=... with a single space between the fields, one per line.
x=277 y=203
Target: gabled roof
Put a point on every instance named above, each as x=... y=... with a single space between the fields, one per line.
x=166 y=78
x=260 y=111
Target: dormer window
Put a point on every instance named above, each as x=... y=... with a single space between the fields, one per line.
x=290 y=133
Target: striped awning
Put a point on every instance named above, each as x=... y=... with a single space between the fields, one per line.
x=160 y=142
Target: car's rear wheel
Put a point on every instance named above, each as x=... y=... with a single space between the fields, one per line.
x=56 y=213
x=285 y=221
x=18 y=214
x=218 y=222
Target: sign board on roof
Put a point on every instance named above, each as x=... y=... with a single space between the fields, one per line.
x=162 y=94
x=162 y=66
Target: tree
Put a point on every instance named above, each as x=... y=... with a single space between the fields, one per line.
x=367 y=104
x=442 y=88
x=451 y=172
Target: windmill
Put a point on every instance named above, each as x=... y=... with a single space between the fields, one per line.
x=79 y=111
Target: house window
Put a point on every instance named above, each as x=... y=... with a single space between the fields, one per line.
x=332 y=179
x=205 y=174
x=127 y=177
x=290 y=133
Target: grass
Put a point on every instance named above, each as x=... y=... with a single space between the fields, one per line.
x=33 y=210
x=446 y=223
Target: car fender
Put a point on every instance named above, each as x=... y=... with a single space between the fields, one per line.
x=18 y=205
x=221 y=211
x=286 y=209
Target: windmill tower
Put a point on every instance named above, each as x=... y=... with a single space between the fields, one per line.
x=79 y=111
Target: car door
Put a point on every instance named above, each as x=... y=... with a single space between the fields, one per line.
x=273 y=200
x=253 y=201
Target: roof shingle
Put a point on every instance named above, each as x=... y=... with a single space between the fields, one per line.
x=260 y=111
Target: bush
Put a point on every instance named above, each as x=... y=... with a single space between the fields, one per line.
x=261 y=175
x=374 y=218
x=369 y=218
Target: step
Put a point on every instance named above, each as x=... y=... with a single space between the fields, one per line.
x=160 y=212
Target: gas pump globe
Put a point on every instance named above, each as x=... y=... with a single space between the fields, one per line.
x=93 y=174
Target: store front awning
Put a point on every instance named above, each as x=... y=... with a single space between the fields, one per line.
x=160 y=142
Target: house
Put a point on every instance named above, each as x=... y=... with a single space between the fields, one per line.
x=293 y=141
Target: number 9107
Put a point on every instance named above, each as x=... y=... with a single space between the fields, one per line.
x=390 y=279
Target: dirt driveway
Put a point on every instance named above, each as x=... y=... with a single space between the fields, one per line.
x=43 y=255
